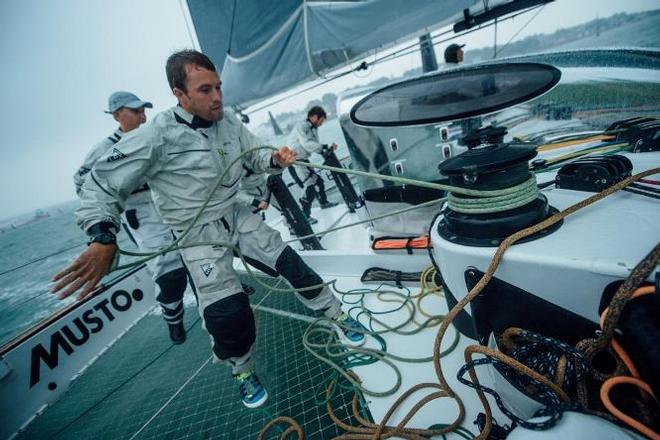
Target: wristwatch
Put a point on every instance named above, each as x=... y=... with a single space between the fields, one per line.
x=103 y=238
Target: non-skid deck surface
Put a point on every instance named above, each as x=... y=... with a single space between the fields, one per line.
x=143 y=387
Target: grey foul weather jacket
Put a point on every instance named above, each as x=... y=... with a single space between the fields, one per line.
x=306 y=140
x=140 y=195
x=181 y=157
x=94 y=154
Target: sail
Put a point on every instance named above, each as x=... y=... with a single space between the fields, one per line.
x=267 y=47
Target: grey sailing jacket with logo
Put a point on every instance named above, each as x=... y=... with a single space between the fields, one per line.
x=305 y=140
x=92 y=156
x=139 y=196
x=181 y=161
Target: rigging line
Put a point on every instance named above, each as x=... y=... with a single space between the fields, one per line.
x=268 y=294
x=519 y=31
x=411 y=46
x=486 y=194
x=171 y=398
x=284 y=98
x=642 y=193
x=118 y=387
x=646 y=188
x=231 y=29
x=186 y=19
x=40 y=259
x=369 y=220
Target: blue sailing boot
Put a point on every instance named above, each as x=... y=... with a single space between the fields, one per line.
x=353 y=334
x=253 y=393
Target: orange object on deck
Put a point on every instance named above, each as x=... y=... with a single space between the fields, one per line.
x=393 y=243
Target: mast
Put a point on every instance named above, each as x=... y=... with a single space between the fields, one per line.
x=429 y=62
x=274 y=124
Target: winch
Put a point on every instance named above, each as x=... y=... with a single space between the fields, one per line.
x=509 y=199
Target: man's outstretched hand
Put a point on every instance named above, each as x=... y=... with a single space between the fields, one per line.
x=284 y=156
x=86 y=271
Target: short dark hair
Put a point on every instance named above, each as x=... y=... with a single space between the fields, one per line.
x=175 y=68
x=318 y=111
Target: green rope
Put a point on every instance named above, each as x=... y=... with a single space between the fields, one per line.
x=405 y=181
x=369 y=220
x=321 y=340
x=175 y=244
x=516 y=196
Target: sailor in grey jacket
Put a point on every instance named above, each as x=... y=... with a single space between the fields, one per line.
x=140 y=218
x=305 y=143
x=181 y=154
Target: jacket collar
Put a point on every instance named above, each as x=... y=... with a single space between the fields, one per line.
x=116 y=136
x=192 y=121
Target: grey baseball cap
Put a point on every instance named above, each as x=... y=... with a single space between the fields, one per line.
x=125 y=99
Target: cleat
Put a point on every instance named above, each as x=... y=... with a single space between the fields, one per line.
x=311 y=221
x=253 y=394
x=177 y=333
x=350 y=331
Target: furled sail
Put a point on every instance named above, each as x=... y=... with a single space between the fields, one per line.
x=267 y=47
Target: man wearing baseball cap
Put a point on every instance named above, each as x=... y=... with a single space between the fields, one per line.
x=128 y=110
x=454 y=54
x=140 y=219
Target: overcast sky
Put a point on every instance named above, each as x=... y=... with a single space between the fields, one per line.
x=63 y=58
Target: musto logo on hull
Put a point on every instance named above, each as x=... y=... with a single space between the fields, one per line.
x=89 y=322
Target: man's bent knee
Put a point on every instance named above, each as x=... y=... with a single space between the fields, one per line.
x=230 y=322
x=172 y=286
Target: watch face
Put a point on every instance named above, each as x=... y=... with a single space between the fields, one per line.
x=104 y=238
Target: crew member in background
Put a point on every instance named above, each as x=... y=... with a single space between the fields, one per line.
x=140 y=218
x=306 y=142
x=182 y=152
x=454 y=54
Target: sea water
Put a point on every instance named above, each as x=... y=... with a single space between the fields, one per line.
x=31 y=255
